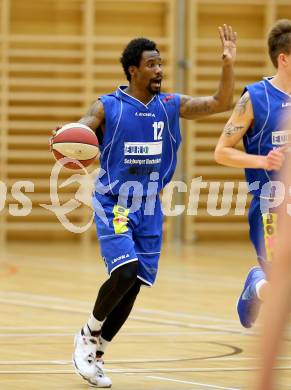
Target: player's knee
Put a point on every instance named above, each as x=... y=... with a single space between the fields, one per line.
x=127 y=274
x=136 y=288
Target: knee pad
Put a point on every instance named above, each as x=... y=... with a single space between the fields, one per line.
x=126 y=275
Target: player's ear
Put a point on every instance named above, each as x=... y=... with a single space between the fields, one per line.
x=282 y=58
x=132 y=70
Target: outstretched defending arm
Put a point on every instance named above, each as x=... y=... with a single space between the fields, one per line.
x=197 y=107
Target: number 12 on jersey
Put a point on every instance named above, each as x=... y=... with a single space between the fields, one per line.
x=158 y=130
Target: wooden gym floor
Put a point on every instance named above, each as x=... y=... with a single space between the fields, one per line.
x=183 y=333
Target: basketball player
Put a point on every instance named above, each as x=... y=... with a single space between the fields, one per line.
x=258 y=119
x=139 y=135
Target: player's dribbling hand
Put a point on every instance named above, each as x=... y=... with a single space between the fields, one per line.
x=228 y=40
x=275 y=159
x=54 y=132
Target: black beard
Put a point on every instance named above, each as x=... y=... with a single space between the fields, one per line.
x=152 y=91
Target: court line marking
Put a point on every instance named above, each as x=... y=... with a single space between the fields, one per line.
x=17 y=302
x=185 y=315
x=21 y=328
x=228 y=285
x=203 y=369
x=133 y=317
x=143 y=371
x=192 y=383
x=124 y=361
x=192 y=326
x=149 y=320
x=40 y=297
x=146 y=311
x=65 y=328
x=15 y=335
x=36 y=362
x=38 y=372
x=122 y=333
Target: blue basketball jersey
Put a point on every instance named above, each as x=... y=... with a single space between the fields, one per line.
x=140 y=143
x=269 y=130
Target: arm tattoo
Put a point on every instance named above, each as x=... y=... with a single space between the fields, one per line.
x=94 y=116
x=241 y=106
x=230 y=129
x=95 y=108
x=204 y=108
x=194 y=107
x=199 y=107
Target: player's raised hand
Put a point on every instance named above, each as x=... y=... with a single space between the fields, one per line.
x=275 y=159
x=228 y=40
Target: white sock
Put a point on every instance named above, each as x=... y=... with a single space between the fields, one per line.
x=103 y=344
x=258 y=288
x=92 y=325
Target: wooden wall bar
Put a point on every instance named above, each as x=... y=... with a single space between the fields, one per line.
x=57 y=56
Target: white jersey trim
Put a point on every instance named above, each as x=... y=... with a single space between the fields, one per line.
x=120 y=265
x=112 y=141
x=113 y=235
x=268 y=79
x=148 y=284
x=147 y=253
x=145 y=105
x=267 y=118
x=171 y=137
x=263 y=128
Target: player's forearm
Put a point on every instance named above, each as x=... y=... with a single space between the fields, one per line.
x=224 y=94
x=232 y=157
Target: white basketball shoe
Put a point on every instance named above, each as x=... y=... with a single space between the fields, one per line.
x=100 y=380
x=84 y=356
x=85 y=362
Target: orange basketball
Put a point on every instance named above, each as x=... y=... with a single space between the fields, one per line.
x=76 y=142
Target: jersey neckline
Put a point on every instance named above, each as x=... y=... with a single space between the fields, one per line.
x=121 y=89
x=268 y=79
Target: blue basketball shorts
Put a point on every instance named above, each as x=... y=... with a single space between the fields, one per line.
x=263 y=230
x=126 y=236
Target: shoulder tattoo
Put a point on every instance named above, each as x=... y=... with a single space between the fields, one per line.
x=230 y=129
x=241 y=106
